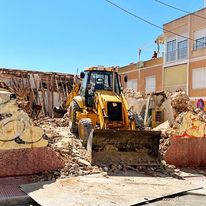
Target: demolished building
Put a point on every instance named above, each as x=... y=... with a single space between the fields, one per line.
x=37 y=90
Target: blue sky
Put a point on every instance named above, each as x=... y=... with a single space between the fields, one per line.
x=63 y=35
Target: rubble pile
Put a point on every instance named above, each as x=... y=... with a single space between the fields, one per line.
x=180 y=102
x=47 y=123
x=186 y=146
x=23 y=97
x=132 y=93
x=38 y=92
x=75 y=156
x=189 y=124
x=22 y=102
x=77 y=159
x=186 y=136
x=21 y=142
x=4 y=86
x=136 y=100
x=164 y=141
x=161 y=170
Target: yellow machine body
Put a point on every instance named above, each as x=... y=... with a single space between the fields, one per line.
x=100 y=114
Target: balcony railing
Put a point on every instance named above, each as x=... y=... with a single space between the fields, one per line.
x=199 y=45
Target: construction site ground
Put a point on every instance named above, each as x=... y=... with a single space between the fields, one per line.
x=141 y=189
x=78 y=182
x=147 y=185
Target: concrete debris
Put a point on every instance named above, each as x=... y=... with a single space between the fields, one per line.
x=22 y=144
x=189 y=124
x=186 y=138
x=172 y=104
x=136 y=100
x=68 y=146
x=83 y=162
x=77 y=160
x=164 y=144
x=162 y=127
x=180 y=102
x=3 y=86
x=16 y=128
x=132 y=93
x=164 y=141
x=37 y=92
x=75 y=156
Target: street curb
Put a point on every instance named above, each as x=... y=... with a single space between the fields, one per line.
x=16 y=200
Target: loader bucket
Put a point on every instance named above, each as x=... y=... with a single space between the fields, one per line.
x=134 y=148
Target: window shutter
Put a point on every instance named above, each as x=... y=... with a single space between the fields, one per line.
x=132 y=84
x=150 y=84
x=199 y=78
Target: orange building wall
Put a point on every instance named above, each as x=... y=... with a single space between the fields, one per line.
x=151 y=70
x=189 y=24
x=195 y=25
x=130 y=76
x=179 y=26
x=154 y=71
x=196 y=92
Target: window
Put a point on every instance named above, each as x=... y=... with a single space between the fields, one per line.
x=199 y=78
x=102 y=81
x=132 y=84
x=200 y=43
x=182 y=49
x=84 y=85
x=171 y=51
x=150 y=84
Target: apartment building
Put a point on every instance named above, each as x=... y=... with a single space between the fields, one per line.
x=143 y=76
x=184 y=64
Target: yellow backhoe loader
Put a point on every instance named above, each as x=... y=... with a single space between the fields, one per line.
x=99 y=113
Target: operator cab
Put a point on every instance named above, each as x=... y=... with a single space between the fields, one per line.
x=96 y=80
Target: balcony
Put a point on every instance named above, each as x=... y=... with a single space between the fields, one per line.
x=200 y=43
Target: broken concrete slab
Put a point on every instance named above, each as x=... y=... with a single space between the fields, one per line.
x=200 y=181
x=183 y=200
x=109 y=190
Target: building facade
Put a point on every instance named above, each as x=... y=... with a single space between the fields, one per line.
x=185 y=55
x=183 y=65
x=143 y=76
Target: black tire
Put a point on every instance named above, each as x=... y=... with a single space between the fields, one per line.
x=73 y=109
x=85 y=126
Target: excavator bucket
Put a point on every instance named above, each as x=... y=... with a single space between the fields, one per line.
x=134 y=148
